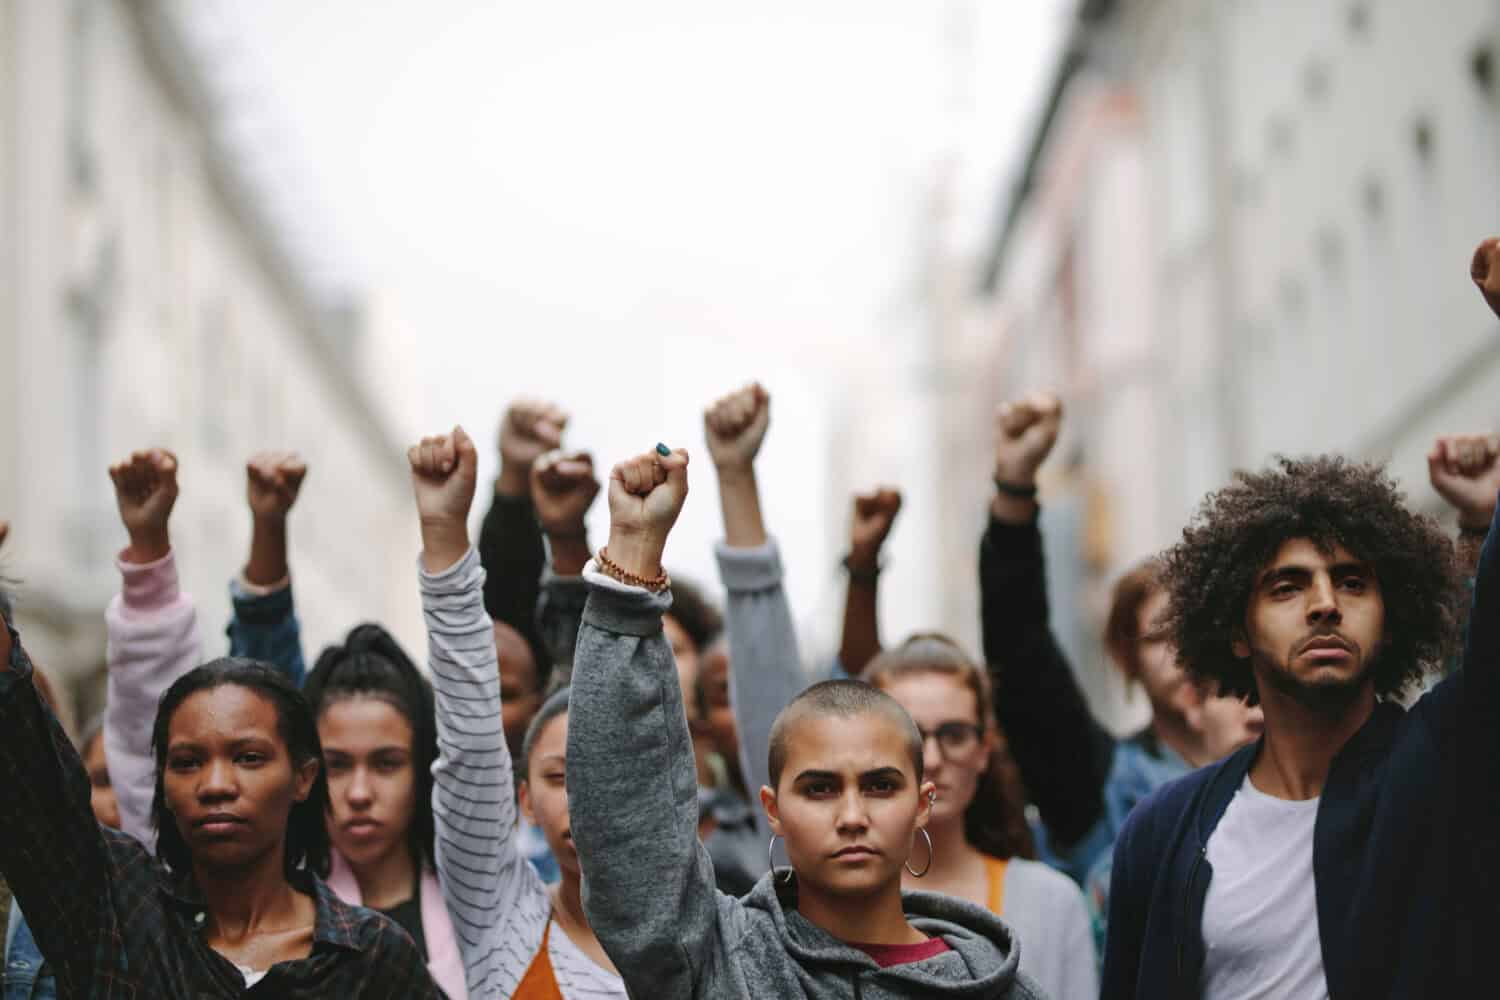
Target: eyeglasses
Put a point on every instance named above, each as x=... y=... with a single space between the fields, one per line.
x=953 y=738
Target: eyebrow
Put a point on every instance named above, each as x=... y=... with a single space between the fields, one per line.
x=234 y=744
x=1298 y=571
x=879 y=772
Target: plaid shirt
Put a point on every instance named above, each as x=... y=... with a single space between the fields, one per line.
x=113 y=922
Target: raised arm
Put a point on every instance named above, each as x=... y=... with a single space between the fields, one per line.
x=632 y=787
x=480 y=867
x=152 y=630
x=52 y=852
x=510 y=542
x=264 y=625
x=563 y=487
x=1063 y=754
x=765 y=667
x=874 y=514
x=1464 y=471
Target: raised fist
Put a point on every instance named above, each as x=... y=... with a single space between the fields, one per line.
x=735 y=426
x=145 y=492
x=442 y=476
x=1025 y=431
x=1485 y=270
x=646 y=494
x=4 y=531
x=529 y=428
x=563 y=487
x=1465 y=470
x=272 y=480
x=874 y=513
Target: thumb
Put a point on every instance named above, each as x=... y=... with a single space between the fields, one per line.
x=675 y=462
x=463 y=448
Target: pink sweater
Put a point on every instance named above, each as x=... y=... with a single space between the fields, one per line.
x=153 y=640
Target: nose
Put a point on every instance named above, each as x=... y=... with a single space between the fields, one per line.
x=358 y=792
x=218 y=781
x=852 y=817
x=1323 y=606
x=932 y=754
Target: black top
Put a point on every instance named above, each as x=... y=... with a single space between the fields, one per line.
x=409 y=915
x=513 y=556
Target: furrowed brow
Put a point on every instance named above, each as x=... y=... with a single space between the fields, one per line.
x=884 y=774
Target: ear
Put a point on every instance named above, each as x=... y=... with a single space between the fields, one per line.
x=305 y=775
x=1240 y=645
x=925 y=796
x=991 y=744
x=773 y=809
x=523 y=799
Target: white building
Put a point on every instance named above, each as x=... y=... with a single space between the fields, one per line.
x=146 y=302
x=1244 y=229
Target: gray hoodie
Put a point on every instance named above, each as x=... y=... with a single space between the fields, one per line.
x=648 y=884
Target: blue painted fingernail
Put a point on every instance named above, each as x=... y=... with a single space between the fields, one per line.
x=663 y=450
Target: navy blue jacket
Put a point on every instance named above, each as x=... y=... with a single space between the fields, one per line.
x=1404 y=850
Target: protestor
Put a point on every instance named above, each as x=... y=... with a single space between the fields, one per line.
x=376 y=721
x=519 y=938
x=846 y=794
x=869 y=526
x=232 y=900
x=264 y=624
x=1083 y=780
x=1334 y=856
x=978 y=833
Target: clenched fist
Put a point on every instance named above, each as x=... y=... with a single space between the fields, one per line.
x=1485 y=270
x=272 y=481
x=874 y=513
x=529 y=429
x=443 y=470
x=735 y=426
x=646 y=494
x=145 y=492
x=1465 y=470
x=1025 y=431
x=563 y=487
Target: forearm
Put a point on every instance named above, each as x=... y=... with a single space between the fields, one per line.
x=559 y=613
x=633 y=794
x=739 y=502
x=267 y=565
x=765 y=665
x=860 y=642
x=152 y=640
x=511 y=550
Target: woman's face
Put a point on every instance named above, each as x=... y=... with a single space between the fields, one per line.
x=544 y=793
x=372 y=779
x=228 y=778
x=848 y=803
x=955 y=752
x=101 y=790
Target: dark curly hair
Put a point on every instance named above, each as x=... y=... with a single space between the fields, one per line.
x=1210 y=574
x=695 y=613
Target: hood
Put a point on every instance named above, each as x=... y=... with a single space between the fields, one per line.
x=984 y=954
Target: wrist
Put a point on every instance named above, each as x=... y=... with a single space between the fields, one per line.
x=735 y=471
x=147 y=546
x=863 y=559
x=1475 y=522
x=570 y=553
x=636 y=552
x=514 y=479
x=444 y=542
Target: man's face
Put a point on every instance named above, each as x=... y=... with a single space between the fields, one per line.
x=1315 y=622
x=520 y=696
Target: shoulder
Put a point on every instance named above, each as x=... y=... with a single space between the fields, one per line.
x=1150 y=826
x=1041 y=879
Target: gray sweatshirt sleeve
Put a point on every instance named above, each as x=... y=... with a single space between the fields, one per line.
x=559 y=610
x=765 y=669
x=648 y=884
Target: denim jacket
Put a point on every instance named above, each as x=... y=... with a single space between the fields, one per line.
x=25 y=976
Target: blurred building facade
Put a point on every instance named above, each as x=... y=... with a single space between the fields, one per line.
x=147 y=302
x=1242 y=228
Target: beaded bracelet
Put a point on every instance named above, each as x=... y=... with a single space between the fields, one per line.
x=1018 y=491
x=613 y=569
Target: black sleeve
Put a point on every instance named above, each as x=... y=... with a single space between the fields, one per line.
x=1063 y=753
x=511 y=551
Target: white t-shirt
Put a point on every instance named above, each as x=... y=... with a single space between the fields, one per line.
x=1260 y=919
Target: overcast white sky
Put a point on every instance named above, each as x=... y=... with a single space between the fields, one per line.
x=633 y=207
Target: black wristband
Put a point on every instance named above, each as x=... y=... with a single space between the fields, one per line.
x=868 y=577
x=1466 y=531
x=1015 y=490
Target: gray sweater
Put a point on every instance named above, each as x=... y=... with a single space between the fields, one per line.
x=648 y=883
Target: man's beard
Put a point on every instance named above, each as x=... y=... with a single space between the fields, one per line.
x=1323 y=695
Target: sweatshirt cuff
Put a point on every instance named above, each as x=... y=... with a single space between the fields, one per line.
x=148 y=586
x=454 y=579
x=255 y=605
x=618 y=607
x=757 y=568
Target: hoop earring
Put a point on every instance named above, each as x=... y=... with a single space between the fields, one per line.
x=927 y=837
x=771 y=853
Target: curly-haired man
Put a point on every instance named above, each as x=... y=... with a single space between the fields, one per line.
x=1328 y=858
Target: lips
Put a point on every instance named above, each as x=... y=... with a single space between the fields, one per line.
x=360 y=827
x=855 y=852
x=1326 y=645
x=218 y=823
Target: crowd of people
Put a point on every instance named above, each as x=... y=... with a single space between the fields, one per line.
x=603 y=785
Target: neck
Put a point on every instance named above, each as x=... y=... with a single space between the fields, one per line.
x=388 y=880
x=951 y=850
x=242 y=900
x=876 y=918
x=1173 y=730
x=569 y=899
x=1302 y=736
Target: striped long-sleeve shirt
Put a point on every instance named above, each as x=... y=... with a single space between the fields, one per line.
x=500 y=906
